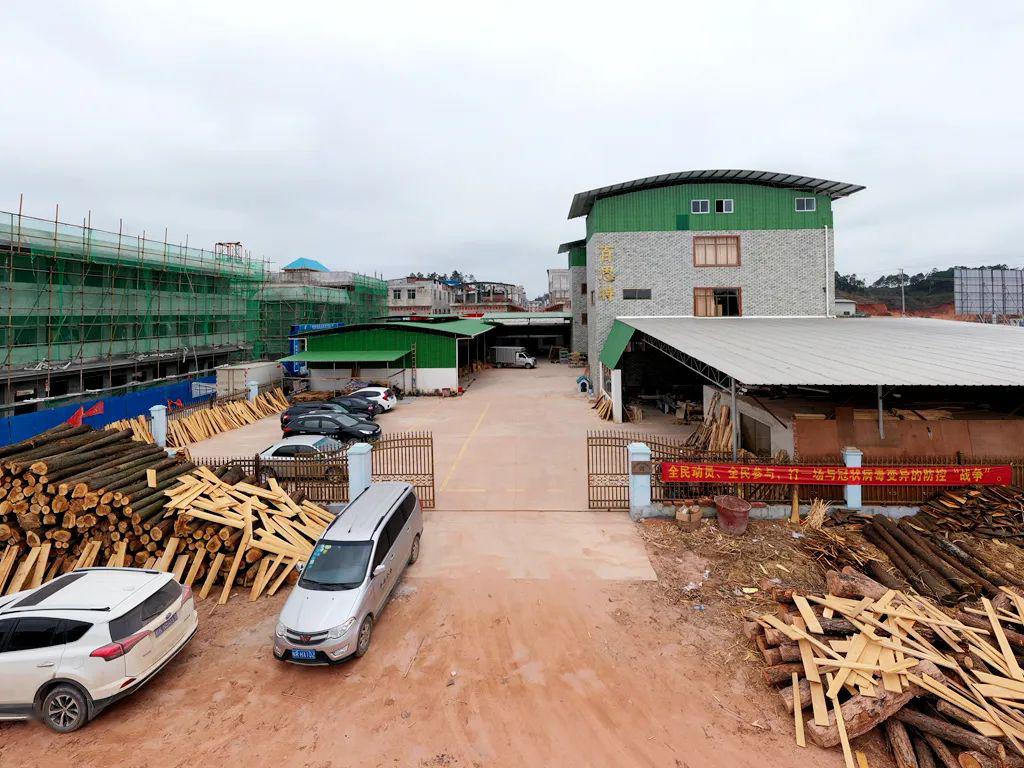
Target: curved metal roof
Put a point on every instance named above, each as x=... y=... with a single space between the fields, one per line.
x=582 y=202
x=566 y=247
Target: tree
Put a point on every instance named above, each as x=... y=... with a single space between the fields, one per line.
x=849 y=283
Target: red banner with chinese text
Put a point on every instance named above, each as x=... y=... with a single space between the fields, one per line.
x=693 y=472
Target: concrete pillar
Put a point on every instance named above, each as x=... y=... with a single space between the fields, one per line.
x=617 y=395
x=158 y=424
x=360 y=469
x=639 y=462
x=254 y=389
x=852 y=457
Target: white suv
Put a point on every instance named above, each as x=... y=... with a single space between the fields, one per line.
x=86 y=639
x=384 y=397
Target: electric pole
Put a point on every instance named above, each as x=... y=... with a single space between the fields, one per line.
x=903 y=295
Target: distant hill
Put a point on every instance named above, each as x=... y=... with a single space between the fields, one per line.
x=928 y=293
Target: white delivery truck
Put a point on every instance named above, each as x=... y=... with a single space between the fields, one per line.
x=513 y=357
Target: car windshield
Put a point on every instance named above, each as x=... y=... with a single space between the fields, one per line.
x=336 y=565
x=328 y=445
x=345 y=421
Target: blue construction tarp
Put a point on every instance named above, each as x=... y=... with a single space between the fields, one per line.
x=14 y=429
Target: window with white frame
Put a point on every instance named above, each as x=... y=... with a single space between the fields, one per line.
x=806 y=204
x=700 y=206
x=723 y=206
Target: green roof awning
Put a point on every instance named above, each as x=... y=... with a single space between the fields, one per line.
x=619 y=336
x=354 y=356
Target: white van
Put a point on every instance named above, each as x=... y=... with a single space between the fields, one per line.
x=329 y=615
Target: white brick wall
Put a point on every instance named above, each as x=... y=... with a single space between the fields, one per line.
x=781 y=272
x=579 y=304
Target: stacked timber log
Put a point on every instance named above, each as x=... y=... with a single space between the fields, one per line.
x=75 y=495
x=864 y=656
x=138 y=426
x=207 y=422
x=715 y=432
x=254 y=535
x=992 y=511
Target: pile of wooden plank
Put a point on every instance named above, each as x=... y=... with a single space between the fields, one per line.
x=72 y=490
x=715 y=431
x=138 y=426
x=207 y=422
x=864 y=655
x=993 y=511
x=254 y=535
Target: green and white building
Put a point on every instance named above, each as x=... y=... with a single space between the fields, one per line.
x=716 y=243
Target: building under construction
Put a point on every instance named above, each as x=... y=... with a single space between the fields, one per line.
x=84 y=309
x=307 y=293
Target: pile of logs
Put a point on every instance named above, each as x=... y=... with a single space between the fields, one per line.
x=254 y=534
x=948 y=570
x=207 y=422
x=715 y=432
x=992 y=511
x=865 y=655
x=71 y=488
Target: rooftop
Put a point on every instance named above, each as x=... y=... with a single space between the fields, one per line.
x=360 y=518
x=828 y=351
x=582 y=202
x=304 y=263
x=451 y=325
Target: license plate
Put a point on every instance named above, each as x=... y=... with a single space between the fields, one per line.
x=303 y=654
x=166 y=625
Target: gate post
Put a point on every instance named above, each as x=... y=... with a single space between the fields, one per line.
x=360 y=469
x=852 y=457
x=158 y=424
x=639 y=457
x=254 y=389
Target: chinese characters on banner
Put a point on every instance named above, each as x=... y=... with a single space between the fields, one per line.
x=689 y=472
x=606 y=272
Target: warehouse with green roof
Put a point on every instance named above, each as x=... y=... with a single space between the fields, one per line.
x=421 y=354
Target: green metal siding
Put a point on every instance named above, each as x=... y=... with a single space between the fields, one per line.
x=668 y=209
x=578 y=256
x=433 y=350
x=619 y=336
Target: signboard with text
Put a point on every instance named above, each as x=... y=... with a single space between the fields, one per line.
x=693 y=472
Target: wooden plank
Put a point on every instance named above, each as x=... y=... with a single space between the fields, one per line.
x=232 y=521
x=90 y=559
x=808 y=615
x=236 y=561
x=841 y=726
x=856 y=648
x=1004 y=646
x=289 y=566
x=798 y=715
x=40 y=567
x=211 y=575
x=120 y=553
x=890 y=680
x=151 y=478
x=7 y=564
x=24 y=569
x=164 y=563
x=179 y=566
x=862 y=760
x=197 y=561
x=261 y=573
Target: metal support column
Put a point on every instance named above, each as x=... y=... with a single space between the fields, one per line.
x=735 y=420
x=881 y=422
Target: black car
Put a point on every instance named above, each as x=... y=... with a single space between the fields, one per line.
x=356 y=405
x=300 y=408
x=340 y=426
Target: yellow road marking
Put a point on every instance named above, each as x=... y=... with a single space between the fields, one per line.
x=465 y=444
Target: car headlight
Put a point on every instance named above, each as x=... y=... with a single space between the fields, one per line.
x=280 y=629
x=367 y=431
x=338 y=632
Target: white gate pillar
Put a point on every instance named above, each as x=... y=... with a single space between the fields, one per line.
x=158 y=424
x=639 y=458
x=254 y=390
x=852 y=457
x=360 y=469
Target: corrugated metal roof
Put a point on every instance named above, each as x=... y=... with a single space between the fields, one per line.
x=566 y=247
x=352 y=356
x=582 y=202
x=461 y=327
x=828 y=351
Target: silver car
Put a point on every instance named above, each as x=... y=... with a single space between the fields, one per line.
x=354 y=567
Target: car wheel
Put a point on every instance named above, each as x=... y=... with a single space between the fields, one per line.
x=415 y=554
x=65 y=709
x=363 y=638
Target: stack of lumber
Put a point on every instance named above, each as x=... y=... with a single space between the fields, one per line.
x=603 y=406
x=254 y=535
x=311 y=396
x=138 y=426
x=74 y=491
x=993 y=511
x=715 y=432
x=207 y=422
x=864 y=655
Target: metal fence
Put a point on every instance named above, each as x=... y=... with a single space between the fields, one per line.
x=405 y=456
x=608 y=473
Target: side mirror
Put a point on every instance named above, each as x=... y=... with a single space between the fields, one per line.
x=299 y=567
x=379 y=570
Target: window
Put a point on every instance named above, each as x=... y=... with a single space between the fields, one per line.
x=717 y=302
x=285 y=451
x=5 y=629
x=636 y=293
x=411 y=293
x=700 y=206
x=583 y=318
x=337 y=565
x=716 y=251
x=383 y=547
x=396 y=294
x=74 y=630
x=34 y=632
x=723 y=206
x=583 y=289
x=591 y=298
x=394 y=526
x=806 y=204
x=408 y=505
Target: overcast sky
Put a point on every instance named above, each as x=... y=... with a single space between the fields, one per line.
x=385 y=137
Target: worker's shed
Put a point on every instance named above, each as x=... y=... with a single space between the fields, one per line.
x=537 y=331
x=845 y=307
x=893 y=387
x=424 y=354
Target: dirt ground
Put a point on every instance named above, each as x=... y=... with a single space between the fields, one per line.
x=530 y=632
